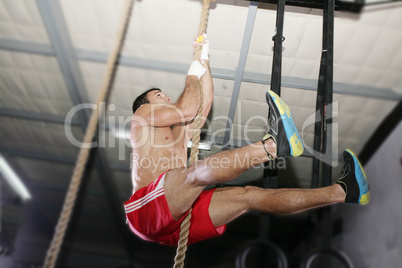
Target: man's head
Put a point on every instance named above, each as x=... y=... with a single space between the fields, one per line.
x=153 y=95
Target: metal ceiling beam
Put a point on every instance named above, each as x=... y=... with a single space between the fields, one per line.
x=56 y=159
x=248 y=31
x=27 y=115
x=251 y=77
x=53 y=19
x=38 y=156
x=26 y=47
x=382 y=2
x=101 y=57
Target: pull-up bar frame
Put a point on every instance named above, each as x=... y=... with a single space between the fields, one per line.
x=355 y=6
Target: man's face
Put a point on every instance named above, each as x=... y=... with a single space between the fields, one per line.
x=157 y=96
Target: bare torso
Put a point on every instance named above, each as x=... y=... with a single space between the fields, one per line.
x=155 y=151
x=161 y=129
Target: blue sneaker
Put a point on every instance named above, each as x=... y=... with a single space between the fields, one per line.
x=353 y=180
x=282 y=128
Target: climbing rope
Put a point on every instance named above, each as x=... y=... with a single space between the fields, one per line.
x=185 y=226
x=60 y=230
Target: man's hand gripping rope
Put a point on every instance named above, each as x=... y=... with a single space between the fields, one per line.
x=197 y=67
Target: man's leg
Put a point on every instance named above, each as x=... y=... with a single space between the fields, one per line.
x=231 y=202
x=183 y=185
x=352 y=187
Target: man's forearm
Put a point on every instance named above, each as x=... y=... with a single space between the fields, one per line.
x=207 y=84
x=208 y=89
x=199 y=70
x=190 y=98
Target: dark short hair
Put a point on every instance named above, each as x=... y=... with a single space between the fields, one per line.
x=142 y=99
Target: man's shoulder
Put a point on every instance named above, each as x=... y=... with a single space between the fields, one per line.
x=138 y=118
x=143 y=109
x=146 y=108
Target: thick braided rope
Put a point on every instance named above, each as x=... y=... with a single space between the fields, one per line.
x=60 y=230
x=185 y=226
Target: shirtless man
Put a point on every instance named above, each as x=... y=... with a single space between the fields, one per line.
x=164 y=188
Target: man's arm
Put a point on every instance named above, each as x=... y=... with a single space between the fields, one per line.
x=208 y=91
x=165 y=115
x=184 y=110
x=202 y=71
x=189 y=100
x=208 y=95
x=206 y=79
x=207 y=86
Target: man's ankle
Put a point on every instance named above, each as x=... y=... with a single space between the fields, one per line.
x=269 y=146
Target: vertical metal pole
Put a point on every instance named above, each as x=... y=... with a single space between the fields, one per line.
x=270 y=179
x=323 y=125
x=319 y=120
x=278 y=40
x=252 y=13
x=329 y=7
x=270 y=174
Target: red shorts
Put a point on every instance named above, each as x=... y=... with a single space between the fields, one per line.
x=149 y=217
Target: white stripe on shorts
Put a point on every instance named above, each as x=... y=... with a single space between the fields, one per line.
x=139 y=203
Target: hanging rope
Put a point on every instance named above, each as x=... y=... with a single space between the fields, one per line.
x=185 y=226
x=53 y=251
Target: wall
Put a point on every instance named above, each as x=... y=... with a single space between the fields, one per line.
x=372 y=235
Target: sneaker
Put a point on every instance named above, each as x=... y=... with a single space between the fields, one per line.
x=282 y=129
x=353 y=180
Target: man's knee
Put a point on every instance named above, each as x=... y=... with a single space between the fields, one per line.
x=252 y=196
x=198 y=174
x=250 y=189
x=243 y=192
x=245 y=195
